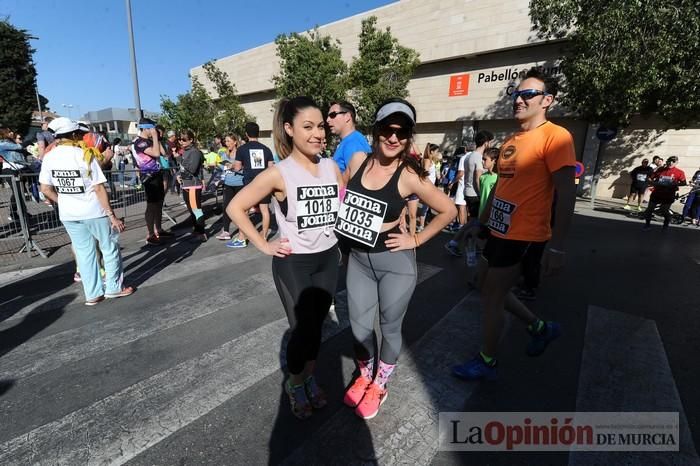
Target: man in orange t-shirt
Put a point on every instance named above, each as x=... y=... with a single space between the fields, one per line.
x=533 y=164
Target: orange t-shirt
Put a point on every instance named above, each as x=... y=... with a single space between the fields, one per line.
x=522 y=203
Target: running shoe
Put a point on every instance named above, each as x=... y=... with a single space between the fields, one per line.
x=475 y=369
x=354 y=394
x=223 y=236
x=374 y=397
x=314 y=393
x=153 y=240
x=539 y=341
x=124 y=292
x=627 y=207
x=94 y=302
x=453 y=249
x=165 y=234
x=301 y=407
x=237 y=243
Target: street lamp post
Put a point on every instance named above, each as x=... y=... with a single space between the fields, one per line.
x=134 y=71
x=69 y=107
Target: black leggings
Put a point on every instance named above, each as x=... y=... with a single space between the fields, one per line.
x=229 y=193
x=306 y=285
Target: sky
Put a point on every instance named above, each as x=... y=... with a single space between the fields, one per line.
x=82 y=47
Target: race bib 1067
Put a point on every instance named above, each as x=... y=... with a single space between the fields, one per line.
x=68 y=181
x=317 y=206
x=360 y=218
x=500 y=217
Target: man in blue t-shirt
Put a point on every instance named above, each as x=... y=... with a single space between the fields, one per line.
x=341 y=121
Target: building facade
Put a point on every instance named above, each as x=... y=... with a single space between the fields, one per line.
x=472 y=55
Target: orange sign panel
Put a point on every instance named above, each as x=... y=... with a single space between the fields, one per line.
x=459 y=85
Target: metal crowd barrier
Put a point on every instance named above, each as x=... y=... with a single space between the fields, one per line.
x=29 y=223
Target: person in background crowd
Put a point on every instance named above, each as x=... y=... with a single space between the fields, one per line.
x=104 y=154
x=640 y=176
x=488 y=179
x=72 y=178
x=165 y=161
x=691 y=209
x=665 y=181
x=534 y=163
x=13 y=163
x=175 y=152
x=44 y=138
x=472 y=170
x=656 y=163
x=253 y=158
x=118 y=162
x=341 y=120
x=212 y=160
x=381 y=274
x=191 y=180
x=233 y=182
x=305 y=189
x=431 y=157
x=148 y=151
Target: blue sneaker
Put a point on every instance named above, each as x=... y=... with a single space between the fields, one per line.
x=453 y=249
x=539 y=341
x=475 y=369
x=237 y=243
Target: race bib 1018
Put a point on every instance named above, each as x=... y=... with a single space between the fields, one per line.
x=361 y=218
x=500 y=217
x=317 y=206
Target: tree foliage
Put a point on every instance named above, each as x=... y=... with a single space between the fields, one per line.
x=203 y=113
x=17 y=78
x=310 y=65
x=381 y=70
x=626 y=58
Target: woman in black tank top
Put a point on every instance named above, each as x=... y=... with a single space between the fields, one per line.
x=382 y=264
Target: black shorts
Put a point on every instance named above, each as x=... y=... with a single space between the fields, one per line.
x=472 y=206
x=500 y=252
x=153 y=186
x=638 y=189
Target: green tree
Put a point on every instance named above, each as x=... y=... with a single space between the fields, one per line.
x=17 y=78
x=204 y=114
x=382 y=70
x=310 y=65
x=625 y=58
x=192 y=110
x=229 y=114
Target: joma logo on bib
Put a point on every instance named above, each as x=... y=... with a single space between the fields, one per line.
x=500 y=217
x=68 y=181
x=317 y=206
x=361 y=218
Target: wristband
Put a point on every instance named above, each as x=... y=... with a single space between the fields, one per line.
x=415 y=238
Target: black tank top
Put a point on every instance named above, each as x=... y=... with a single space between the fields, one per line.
x=389 y=193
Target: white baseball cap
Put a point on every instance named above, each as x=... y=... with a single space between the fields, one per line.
x=63 y=125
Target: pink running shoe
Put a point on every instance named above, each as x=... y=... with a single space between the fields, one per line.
x=354 y=394
x=374 y=397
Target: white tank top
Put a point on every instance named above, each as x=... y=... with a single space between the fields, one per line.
x=432 y=176
x=311 y=206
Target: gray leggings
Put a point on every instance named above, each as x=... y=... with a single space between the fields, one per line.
x=383 y=280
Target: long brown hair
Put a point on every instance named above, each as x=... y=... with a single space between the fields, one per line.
x=285 y=112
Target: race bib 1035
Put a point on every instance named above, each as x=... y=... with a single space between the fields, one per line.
x=317 y=206
x=500 y=217
x=360 y=218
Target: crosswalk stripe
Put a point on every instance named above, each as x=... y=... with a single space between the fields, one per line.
x=44 y=354
x=406 y=429
x=152 y=275
x=624 y=368
x=102 y=433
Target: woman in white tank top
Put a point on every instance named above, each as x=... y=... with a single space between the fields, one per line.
x=305 y=195
x=431 y=156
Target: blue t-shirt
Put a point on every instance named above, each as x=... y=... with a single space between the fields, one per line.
x=353 y=142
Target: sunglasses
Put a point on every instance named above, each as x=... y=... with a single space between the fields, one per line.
x=527 y=94
x=183 y=139
x=401 y=133
x=332 y=115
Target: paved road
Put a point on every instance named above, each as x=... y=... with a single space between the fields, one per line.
x=188 y=370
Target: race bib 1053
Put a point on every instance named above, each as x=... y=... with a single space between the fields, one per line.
x=317 y=206
x=360 y=218
x=500 y=217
